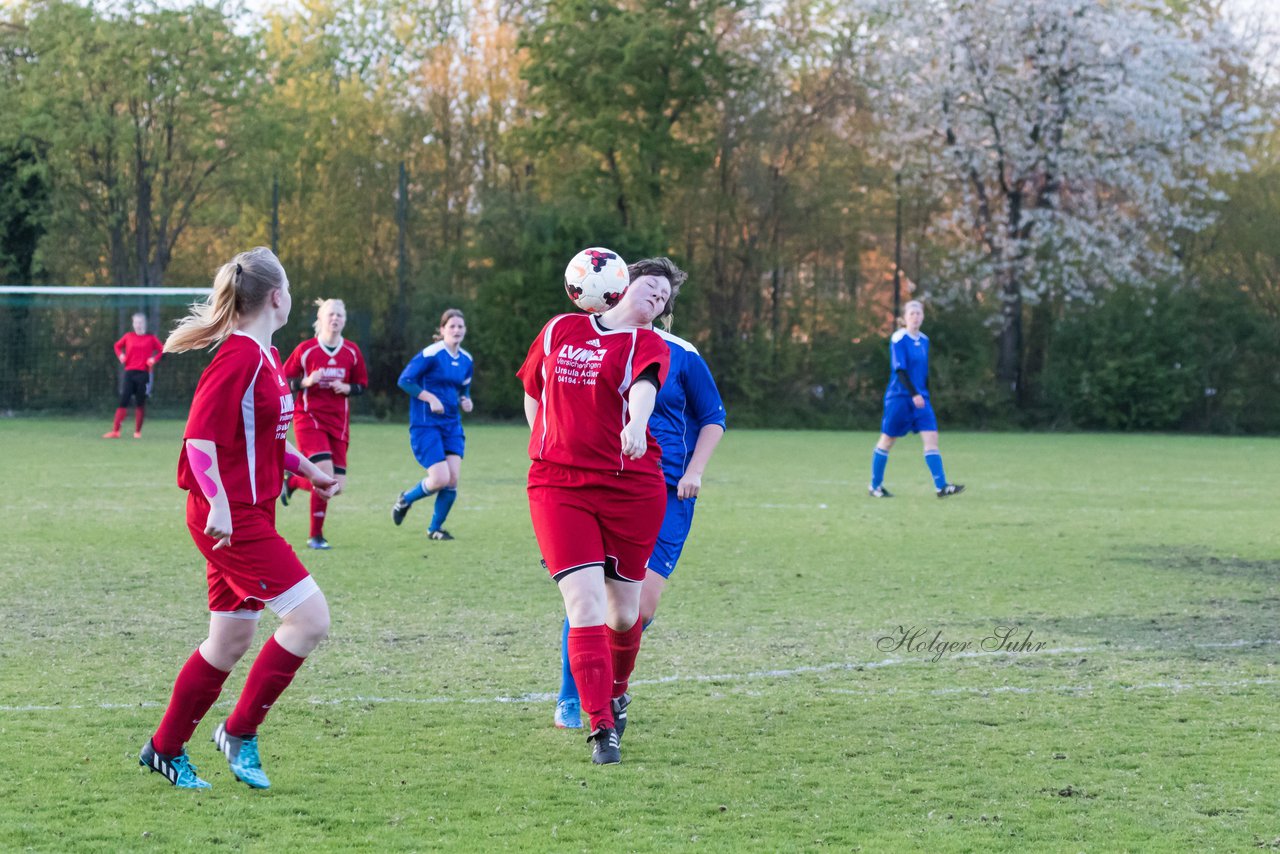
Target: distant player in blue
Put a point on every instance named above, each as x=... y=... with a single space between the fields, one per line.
x=906 y=405
x=439 y=381
x=687 y=422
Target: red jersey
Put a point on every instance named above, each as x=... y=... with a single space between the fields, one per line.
x=137 y=349
x=243 y=405
x=581 y=375
x=323 y=407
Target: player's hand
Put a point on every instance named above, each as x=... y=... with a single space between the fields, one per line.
x=918 y=400
x=315 y=377
x=465 y=403
x=432 y=401
x=634 y=440
x=340 y=387
x=689 y=486
x=218 y=526
x=151 y=363
x=326 y=486
x=121 y=358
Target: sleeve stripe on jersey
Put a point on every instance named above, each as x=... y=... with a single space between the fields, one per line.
x=250 y=435
x=546 y=336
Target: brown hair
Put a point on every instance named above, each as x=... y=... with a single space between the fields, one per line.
x=449 y=314
x=240 y=289
x=666 y=268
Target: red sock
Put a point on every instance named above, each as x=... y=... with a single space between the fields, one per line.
x=318 y=506
x=271 y=673
x=592 y=669
x=624 y=646
x=198 y=685
x=138 y=415
x=297 y=481
x=115 y=428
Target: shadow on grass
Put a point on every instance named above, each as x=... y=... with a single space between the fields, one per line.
x=1238 y=619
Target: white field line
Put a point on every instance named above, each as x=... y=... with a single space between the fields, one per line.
x=786 y=673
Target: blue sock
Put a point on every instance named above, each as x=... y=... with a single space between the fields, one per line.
x=933 y=459
x=568 y=688
x=879 y=459
x=444 y=501
x=414 y=493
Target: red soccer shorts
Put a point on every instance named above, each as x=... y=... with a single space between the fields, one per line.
x=256 y=567
x=317 y=445
x=586 y=519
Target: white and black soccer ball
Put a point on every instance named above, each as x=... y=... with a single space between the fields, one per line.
x=596 y=279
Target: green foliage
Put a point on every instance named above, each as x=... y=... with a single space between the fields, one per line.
x=24 y=208
x=621 y=88
x=1165 y=358
x=767 y=717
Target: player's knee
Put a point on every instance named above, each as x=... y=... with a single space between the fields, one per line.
x=647 y=612
x=623 y=617
x=310 y=632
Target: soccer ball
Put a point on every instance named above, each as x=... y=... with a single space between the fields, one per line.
x=595 y=279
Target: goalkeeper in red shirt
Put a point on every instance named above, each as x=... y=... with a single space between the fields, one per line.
x=138 y=352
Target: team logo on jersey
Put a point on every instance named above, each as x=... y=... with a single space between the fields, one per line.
x=333 y=361
x=582 y=354
x=594 y=342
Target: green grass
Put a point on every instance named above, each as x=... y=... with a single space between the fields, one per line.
x=765 y=718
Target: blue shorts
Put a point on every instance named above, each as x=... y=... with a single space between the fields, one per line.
x=675 y=530
x=431 y=443
x=901 y=417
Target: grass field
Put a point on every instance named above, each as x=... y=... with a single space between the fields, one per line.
x=770 y=713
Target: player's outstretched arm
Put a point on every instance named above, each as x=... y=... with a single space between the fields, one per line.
x=326 y=486
x=202 y=455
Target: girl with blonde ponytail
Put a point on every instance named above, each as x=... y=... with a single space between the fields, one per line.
x=234 y=451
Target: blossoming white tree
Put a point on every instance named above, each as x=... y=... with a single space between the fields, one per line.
x=1068 y=140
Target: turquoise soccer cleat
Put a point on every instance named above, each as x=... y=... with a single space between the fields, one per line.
x=178 y=770
x=569 y=714
x=242 y=756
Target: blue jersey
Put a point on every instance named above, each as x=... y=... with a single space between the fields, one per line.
x=687 y=402
x=910 y=355
x=446 y=376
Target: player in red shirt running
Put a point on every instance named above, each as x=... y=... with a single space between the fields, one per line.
x=329 y=371
x=233 y=453
x=596 y=489
x=138 y=352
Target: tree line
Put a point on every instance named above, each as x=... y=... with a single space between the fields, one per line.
x=1086 y=196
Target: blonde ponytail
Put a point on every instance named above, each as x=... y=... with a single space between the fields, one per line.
x=240 y=289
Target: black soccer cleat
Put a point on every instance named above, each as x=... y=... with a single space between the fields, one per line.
x=619 y=705
x=951 y=489
x=879 y=492
x=178 y=770
x=400 y=508
x=439 y=534
x=286 y=494
x=604 y=746
x=318 y=543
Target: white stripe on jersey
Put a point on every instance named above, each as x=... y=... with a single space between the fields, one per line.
x=622 y=392
x=250 y=443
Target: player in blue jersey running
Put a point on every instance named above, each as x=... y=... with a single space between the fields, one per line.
x=906 y=405
x=439 y=382
x=687 y=422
